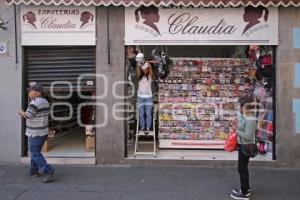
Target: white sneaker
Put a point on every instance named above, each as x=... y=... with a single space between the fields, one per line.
x=239 y=196
x=142 y=132
x=235 y=191
x=151 y=133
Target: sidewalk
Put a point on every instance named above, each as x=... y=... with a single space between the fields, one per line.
x=145 y=183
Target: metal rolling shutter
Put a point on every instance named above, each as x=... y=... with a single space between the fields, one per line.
x=47 y=64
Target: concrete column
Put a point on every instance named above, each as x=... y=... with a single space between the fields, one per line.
x=10 y=87
x=288 y=142
x=110 y=148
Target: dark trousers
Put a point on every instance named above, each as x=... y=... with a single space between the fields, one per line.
x=38 y=162
x=243 y=171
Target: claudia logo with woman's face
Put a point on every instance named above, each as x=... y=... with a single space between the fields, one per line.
x=150 y=15
x=253 y=16
x=30 y=19
x=86 y=18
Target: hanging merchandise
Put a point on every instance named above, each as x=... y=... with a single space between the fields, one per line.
x=132 y=63
x=164 y=67
x=265 y=130
x=260 y=91
x=161 y=63
x=198 y=101
x=266 y=60
x=263 y=93
x=140 y=59
x=264 y=63
x=253 y=52
x=131 y=69
x=265 y=71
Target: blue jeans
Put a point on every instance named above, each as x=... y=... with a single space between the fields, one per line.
x=145 y=111
x=38 y=162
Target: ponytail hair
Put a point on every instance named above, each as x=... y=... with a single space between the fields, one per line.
x=137 y=16
x=144 y=10
x=258 y=11
x=25 y=16
x=266 y=16
x=92 y=17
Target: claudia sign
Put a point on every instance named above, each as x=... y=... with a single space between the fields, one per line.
x=201 y=26
x=53 y=25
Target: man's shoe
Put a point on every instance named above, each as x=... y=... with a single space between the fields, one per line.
x=49 y=177
x=35 y=173
x=235 y=191
x=239 y=196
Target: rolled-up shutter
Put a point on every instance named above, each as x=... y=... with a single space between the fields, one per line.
x=45 y=65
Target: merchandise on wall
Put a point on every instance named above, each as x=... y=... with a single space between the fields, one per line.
x=265 y=132
x=264 y=95
x=198 y=101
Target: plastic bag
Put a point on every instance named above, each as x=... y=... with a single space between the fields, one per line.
x=231 y=142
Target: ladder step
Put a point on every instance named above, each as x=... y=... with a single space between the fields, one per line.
x=142 y=134
x=145 y=153
x=145 y=142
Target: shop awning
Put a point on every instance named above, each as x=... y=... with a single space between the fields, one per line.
x=206 y=3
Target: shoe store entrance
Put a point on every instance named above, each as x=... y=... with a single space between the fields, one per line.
x=66 y=73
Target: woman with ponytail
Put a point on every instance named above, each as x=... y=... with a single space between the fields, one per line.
x=149 y=14
x=30 y=18
x=253 y=14
x=145 y=97
x=86 y=17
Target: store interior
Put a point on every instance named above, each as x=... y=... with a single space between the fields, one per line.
x=67 y=137
x=195 y=101
x=71 y=134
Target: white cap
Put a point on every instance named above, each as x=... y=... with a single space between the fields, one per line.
x=146 y=65
x=140 y=57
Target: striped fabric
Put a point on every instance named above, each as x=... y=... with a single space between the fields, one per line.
x=37 y=117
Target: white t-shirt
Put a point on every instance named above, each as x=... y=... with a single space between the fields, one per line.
x=145 y=90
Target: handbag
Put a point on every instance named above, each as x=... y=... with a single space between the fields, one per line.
x=231 y=142
x=249 y=150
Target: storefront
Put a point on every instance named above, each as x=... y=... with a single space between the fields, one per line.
x=213 y=57
x=59 y=53
x=219 y=54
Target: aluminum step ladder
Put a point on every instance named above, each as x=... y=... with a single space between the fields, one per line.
x=151 y=134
